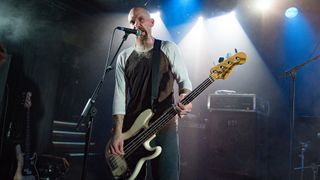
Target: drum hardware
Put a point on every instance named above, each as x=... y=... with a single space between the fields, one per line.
x=304 y=147
x=313 y=166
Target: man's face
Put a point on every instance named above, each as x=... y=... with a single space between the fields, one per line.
x=139 y=18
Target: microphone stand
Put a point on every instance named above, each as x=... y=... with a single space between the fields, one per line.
x=293 y=74
x=89 y=112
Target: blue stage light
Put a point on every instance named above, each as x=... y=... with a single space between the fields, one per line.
x=291 y=12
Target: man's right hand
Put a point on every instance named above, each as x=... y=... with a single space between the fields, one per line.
x=116 y=145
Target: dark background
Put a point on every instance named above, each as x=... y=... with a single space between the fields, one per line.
x=58 y=50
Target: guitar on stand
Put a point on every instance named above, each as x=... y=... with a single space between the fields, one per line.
x=26 y=162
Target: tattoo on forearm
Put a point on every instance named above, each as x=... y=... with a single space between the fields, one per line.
x=117 y=120
x=184 y=91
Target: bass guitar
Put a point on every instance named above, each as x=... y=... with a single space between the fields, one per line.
x=26 y=162
x=137 y=138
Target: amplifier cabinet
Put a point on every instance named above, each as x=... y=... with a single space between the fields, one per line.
x=237 y=143
x=238 y=103
x=193 y=148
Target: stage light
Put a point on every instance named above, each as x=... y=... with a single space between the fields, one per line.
x=232 y=13
x=263 y=5
x=160 y=30
x=200 y=18
x=155 y=15
x=291 y=12
x=180 y=11
x=218 y=36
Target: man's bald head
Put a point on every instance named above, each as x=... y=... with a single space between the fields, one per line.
x=136 y=10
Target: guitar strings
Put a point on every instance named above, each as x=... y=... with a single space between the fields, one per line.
x=197 y=91
x=192 y=95
x=167 y=116
x=132 y=145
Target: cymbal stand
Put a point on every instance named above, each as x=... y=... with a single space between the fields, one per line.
x=293 y=73
x=315 y=169
x=304 y=147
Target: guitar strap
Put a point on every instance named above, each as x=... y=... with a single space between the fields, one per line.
x=155 y=74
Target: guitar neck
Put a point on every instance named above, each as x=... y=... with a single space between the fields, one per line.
x=163 y=120
x=27 y=142
x=220 y=71
x=197 y=91
x=158 y=124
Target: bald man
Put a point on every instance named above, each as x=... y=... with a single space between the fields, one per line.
x=133 y=93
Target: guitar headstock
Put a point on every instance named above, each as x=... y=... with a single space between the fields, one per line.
x=223 y=69
x=27 y=100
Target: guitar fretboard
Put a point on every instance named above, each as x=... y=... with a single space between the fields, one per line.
x=163 y=120
x=27 y=143
x=220 y=71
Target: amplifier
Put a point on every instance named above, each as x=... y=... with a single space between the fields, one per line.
x=237 y=102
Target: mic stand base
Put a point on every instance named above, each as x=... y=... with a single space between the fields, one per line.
x=93 y=113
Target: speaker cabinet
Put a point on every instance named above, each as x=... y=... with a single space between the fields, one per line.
x=193 y=147
x=237 y=143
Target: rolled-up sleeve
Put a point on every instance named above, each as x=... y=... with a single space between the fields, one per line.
x=119 y=90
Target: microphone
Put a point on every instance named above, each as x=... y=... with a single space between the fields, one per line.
x=137 y=32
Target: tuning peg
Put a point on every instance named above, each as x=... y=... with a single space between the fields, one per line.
x=228 y=55
x=235 y=50
x=221 y=59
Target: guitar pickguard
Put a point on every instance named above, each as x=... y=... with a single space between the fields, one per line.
x=119 y=165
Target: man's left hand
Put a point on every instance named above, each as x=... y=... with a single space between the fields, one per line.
x=183 y=110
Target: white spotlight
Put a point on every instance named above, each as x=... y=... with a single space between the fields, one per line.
x=291 y=12
x=155 y=15
x=263 y=5
x=232 y=13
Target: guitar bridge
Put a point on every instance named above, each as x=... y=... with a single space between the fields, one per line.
x=117 y=165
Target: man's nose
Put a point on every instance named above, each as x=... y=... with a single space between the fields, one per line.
x=136 y=24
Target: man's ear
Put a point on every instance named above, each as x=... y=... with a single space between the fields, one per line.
x=152 y=21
